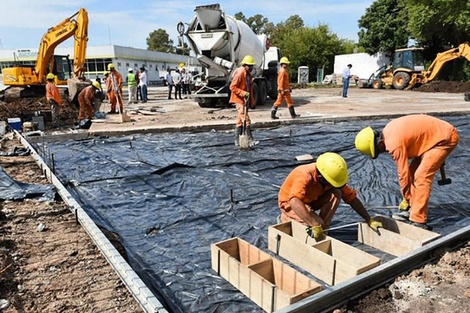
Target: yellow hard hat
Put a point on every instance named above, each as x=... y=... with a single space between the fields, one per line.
x=105 y=73
x=366 y=142
x=50 y=76
x=333 y=168
x=110 y=66
x=248 y=60
x=284 y=60
x=97 y=84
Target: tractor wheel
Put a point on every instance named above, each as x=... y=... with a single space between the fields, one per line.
x=377 y=84
x=401 y=80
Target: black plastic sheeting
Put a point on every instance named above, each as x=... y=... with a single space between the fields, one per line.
x=11 y=189
x=168 y=196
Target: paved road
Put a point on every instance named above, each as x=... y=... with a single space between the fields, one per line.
x=314 y=104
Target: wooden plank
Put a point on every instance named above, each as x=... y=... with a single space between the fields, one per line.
x=312 y=260
x=330 y=260
x=267 y=281
x=396 y=238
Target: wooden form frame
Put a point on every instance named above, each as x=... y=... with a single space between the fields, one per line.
x=330 y=260
x=396 y=238
x=267 y=281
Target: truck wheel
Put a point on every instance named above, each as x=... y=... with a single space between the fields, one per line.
x=401 y=80
x=206 y=102
x=377 y=84
x=262 y=93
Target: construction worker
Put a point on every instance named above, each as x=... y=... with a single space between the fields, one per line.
x=427 y=141
x=114 y=89
x=131 y=86
x=54 y=99
x=86 y=98
x=319 y=187
x=242 y=95
x=284 y=90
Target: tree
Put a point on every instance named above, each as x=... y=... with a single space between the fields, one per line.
x=383 y=28
x=438 y=25
x=159 y=40
x=257 y=23
x=314 y=47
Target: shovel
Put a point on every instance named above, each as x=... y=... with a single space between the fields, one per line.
x=243 y=138
x=123 y=115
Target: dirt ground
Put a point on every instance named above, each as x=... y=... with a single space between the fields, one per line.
x=59 y=269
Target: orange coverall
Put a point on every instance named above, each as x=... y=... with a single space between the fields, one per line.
x=303 y=183
x=427 y=141
x=238 y=87
x=85 y=97
x=52 y=92
x=283 y=87
x=112 y=95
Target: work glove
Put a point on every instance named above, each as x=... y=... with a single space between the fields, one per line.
x=375 y=225
x=247 y=95
x=404 y=205
x=314 y=231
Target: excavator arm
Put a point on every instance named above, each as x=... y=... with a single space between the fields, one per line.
x=76 y=25
x=462 y=51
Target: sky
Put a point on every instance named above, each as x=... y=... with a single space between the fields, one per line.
x=128 y=23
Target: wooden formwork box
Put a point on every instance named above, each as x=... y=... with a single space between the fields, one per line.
x=396 y=238
x=330 y=260
x=267 y=281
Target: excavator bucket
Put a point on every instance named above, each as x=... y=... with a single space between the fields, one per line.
x=75 y=85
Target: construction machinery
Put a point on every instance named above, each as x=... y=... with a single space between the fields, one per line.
x=220 y=42
x=407 y=69
x=30 y=81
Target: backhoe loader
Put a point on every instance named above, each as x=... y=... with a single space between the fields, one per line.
x=407 y=69
x=31 y=81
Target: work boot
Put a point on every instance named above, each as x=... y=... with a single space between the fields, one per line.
x=421 y=225
x=238 y=132
x=273 y=113
x=292 y=112
x=251 y=141
x=401 y=216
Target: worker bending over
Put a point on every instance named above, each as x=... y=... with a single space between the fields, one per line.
x=242 y=96
x=284 y=90
x=427 y=141
x=319 y=187
x=86 y=99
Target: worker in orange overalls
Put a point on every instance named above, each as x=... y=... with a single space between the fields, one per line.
x=114 y=92
x=426 y=140
x=284 y=90
x=242 y=91
x=54 y=99
x=86 y=97
x=319 y=187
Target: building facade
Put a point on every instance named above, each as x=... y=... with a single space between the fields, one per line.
x=98 y=57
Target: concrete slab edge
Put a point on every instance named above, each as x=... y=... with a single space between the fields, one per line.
x=227 y=126
x=333 y=297
x=131 y=280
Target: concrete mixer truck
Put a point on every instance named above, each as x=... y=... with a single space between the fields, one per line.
x=220 y=42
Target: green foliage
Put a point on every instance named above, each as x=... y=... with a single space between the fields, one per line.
x=314 y=47
x=383 y=28
x=438 y=25
x=159 y=40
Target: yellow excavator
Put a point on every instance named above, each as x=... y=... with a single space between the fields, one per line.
x=407 y=69
x=31 y=81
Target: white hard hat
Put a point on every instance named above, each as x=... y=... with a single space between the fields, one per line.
x=130 y=69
